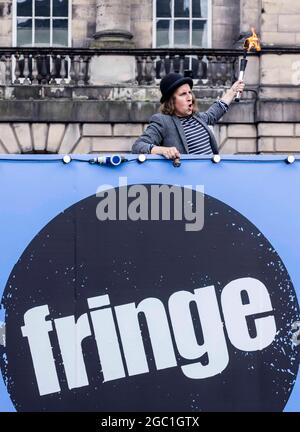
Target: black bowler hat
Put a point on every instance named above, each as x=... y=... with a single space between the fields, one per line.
x=171 y=82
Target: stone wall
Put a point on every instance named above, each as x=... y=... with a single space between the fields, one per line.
x=250 y=15
x=68 y=138
x=102 y=104
x=277 y=20
x=236 y=139
x=258 y=138
x=83 y=22
x=81 y=138
x=279 y=137
x=280 y=22
x=141 y=23
x=6 y=23
x=226 y=19
x=225 y=23
x=280 y=70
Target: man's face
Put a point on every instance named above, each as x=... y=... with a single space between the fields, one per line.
x=183 y=101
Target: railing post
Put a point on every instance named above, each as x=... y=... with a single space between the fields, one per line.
x=72 y=70
x=143 y=70
x=171 y=57
x=26 y=70
x=209 y=70
x=53 y=69
x=44 y=74
x=235 y=69
x=8 y=70
x=229 y=64
x=196 y=76
x=2 y=75
x=149 y=70
x=218 y=71
x=17 y=69
x=162 y=72
x=153 y=69
x=138 y=62
x=34 y=69
x=202 y=69
x=76 y=69
x=63 y=71
x=87 y=61
x=81 y=73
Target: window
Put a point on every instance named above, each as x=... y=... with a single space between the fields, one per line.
x=182 y=23
x=42 y=23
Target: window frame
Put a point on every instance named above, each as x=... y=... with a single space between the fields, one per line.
x=14 y=19
x=190 y=19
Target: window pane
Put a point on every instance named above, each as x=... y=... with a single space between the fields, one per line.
x=182 y=8
x=181 y=33
x=60 y=8
x=163 y=34
x=24 y=32
x=60 y=32
x=199 y=34
x=42 y=32
x=24 y=8
x=42 y=8
x=199 y=9
x=163 y=8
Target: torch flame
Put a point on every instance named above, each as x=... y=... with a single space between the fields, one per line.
x=252 y=42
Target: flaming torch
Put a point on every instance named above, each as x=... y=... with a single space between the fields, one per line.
x=251 y=43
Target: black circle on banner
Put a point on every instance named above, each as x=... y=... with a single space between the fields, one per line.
x=76 y=257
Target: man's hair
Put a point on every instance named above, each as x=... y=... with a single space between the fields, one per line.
x=168 y=107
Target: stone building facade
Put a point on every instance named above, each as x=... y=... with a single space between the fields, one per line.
x=107 y=111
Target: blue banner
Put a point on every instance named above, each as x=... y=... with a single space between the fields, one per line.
x=133 y=285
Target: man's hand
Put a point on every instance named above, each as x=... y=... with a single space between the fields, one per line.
x=238 y=86
x=167 y=152
x=230 y=95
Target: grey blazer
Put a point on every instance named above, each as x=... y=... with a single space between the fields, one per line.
x=166 y=130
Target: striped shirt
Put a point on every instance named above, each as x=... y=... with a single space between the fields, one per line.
x=197 y=137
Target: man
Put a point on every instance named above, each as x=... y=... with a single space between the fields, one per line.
x=180 y=128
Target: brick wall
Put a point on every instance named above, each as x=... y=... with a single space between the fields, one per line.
x=262 y=138
x=83 y=22
x=280 y=22
x=250 y=13
x=141 y=23
x=225 y=23
x=118 y=137
x=68 y=138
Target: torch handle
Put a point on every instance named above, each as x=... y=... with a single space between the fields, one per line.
x=243 y=66
x=241 y=77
